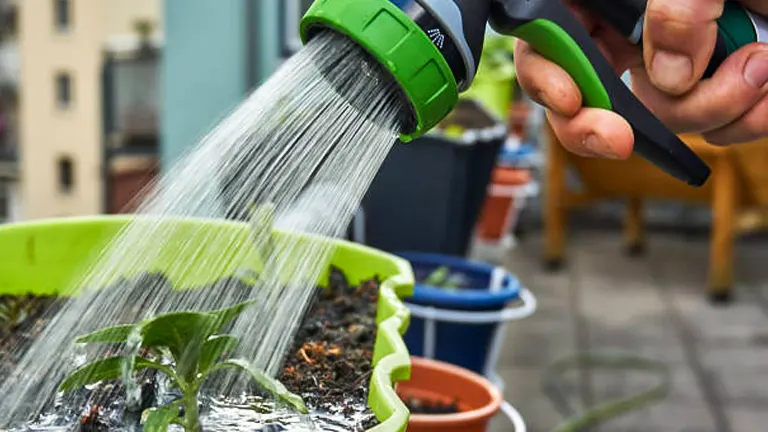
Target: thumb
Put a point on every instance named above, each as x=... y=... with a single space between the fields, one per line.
x=739 y=83
x=679 y=38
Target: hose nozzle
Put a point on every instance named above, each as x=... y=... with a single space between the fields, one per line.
x=421 y=44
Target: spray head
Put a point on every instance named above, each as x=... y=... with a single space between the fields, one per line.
x=431 y=49
x=422 y=45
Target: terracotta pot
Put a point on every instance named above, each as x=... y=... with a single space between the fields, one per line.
x=498 y=210
x=477 y=398
x=518 y=119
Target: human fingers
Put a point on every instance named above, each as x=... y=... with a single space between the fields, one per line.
x=545 y=82
x=594 y=132
x=678 y=40
x=550 y=85
x=759 y=6
x=752 y=126
x=738 y=84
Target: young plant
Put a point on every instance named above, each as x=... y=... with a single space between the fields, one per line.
x=194 y=342
x=14 y=311
x=442 y=278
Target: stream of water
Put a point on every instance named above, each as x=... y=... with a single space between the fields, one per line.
x=308 y=143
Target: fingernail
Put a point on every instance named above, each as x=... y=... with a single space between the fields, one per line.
x=756 y=70
x=671 y=71
x=598 y=147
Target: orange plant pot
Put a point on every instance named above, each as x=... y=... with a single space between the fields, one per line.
x=495 y=217
x=477 y=398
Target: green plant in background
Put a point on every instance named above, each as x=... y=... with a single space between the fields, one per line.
x=607 y=360
x=498 y=56
x=14 y=311
x=144 y=28
x=194 y=342
x=442 y=278
x=493 y=86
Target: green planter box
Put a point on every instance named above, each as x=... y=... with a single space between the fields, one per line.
x=47 y=257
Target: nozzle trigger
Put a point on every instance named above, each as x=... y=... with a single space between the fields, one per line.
x=553 y=31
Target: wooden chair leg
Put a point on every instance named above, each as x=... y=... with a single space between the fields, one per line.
x=554 y=203
x=633 y=227
x=724 y=211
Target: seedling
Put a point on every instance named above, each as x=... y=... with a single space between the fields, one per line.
x=194 y=342
x=14 y=311
x=442 y=278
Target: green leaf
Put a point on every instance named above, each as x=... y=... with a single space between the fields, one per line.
x=224 y=316
x=213 y=349
x=177 y=331
x=183 y=333
x=116 y=334
x=454 y=283
x=438 y=277
x=267 y=383
x=158 y=419
x=106 y=369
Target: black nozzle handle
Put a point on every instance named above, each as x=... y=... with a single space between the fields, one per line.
x=554 y=32
x=737 y=27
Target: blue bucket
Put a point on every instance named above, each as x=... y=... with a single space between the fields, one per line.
x=443 y=324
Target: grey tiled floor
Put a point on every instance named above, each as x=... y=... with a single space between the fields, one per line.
x=655 y=306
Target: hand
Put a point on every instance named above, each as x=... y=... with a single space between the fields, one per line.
x=730 y=107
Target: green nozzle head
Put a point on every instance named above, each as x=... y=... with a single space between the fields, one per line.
x=401 y=47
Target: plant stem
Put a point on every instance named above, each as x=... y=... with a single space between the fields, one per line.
x=192 y=412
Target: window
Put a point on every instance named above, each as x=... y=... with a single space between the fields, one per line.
x=66 y=174
x=4 y=203
x=63 y=90
x=8 y=19
x=62 y=15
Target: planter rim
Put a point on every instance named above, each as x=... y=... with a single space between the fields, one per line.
x=475 y=298
x=470 y=378
x=391 y=362
x=509 y=176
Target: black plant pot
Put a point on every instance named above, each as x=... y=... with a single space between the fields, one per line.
x=428 y=194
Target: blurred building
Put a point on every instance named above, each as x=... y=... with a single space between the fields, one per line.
x=221 y=50
x=9 y=82
x=88 y=104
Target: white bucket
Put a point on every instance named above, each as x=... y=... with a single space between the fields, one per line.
x=432 y=316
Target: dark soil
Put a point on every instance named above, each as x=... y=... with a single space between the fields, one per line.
x=330 y=360
x=92 y=422
x=329 y=363
x=417 y=406
x=22 y=319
